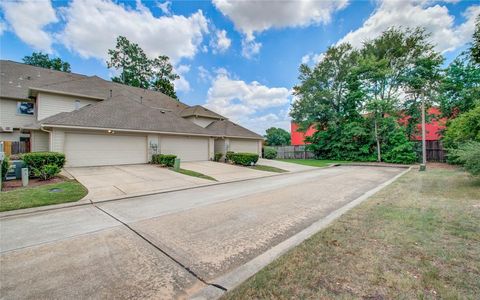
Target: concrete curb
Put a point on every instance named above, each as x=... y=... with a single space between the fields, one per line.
x=242 y=273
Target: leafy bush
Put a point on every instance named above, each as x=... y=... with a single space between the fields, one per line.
x=269 y=153
x=35 y=161
x=5 y=166
x=228 y=156
x=464 y=128
x=217 y=156
x=398 y=148
x=47 y=171
x=468 y=155
x=166 y=160
x=244 y=159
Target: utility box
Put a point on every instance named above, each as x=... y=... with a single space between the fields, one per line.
x=17 y=166
x=176 y=164
x=24 y=177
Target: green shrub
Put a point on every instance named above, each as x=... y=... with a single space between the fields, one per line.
x=244 y=159
x=464 y=128
x=217 y=156
x=35 y=161
x=269 y=153
x=47 y=171
x=5 y=167
x=166 y=160
x=468 y=155
x=228 y=156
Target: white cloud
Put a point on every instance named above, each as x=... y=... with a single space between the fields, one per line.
x=93 y=26
x=28 y=19
x=250 y=47
x=220 y=42
x=181 y=84
x=312 y=58
x=246 y=103
x=165 y=7
x=433 y=16
x=252 y=17
x=204 y=74
x=3 y=27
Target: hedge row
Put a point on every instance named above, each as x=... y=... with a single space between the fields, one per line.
x=167 y=160
x=45 y=165
x=244 y=159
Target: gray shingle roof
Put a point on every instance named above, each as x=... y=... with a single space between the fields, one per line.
x=198 y=110
x=121 y=112
x=230 y=129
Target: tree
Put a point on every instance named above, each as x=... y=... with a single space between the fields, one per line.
x=475 y=48
x=463 y=129
x=43 y=60
x=277 y=137
x=460 y=87
x=137 y=70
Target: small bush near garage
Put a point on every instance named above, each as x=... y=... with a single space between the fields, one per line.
x=217 y=156
x=37 y=162
x=244 y=159
x=166 y=160
x=5 y=166
x=269 y=153
x=47 y=172
x=228 y=155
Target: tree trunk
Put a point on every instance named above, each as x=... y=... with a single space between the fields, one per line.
x=379 y=155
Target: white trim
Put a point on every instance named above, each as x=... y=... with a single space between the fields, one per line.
x=145 y=131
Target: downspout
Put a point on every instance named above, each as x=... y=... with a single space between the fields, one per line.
x=50 y=137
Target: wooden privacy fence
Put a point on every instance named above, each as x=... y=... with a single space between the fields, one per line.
x=435 y=151
x=16 y=147
x=291 y=152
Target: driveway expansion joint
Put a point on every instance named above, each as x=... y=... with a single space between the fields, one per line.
x=176 y=261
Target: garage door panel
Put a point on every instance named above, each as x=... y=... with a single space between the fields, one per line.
x=102 y=150
x=185 y=148
x=238 y=145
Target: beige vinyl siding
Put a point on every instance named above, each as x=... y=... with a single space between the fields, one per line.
x=201 y=121
x=187 y=148
x=211 y=148
x=58 y=140
x=244 y=145
x=85 y=149
x=40 y=141
x=219 y=146
x=52 y=104
x=9 y=116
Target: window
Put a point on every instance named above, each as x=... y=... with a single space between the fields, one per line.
x=25 y=108
x=77 y=104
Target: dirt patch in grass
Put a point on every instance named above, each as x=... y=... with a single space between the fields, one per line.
x=33 y=182
x=418 y=238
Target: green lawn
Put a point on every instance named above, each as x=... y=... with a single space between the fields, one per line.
x=312 y=162
x=268 y=169
x=419 y=238
x=194 y=174
x=40 y=195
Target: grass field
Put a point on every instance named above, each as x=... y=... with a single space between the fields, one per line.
x=311 y=162
x=69 y=191
x=419 y=238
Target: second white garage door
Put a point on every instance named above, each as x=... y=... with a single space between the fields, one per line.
x=186 y=148
x=103 y=150
x=241 y=145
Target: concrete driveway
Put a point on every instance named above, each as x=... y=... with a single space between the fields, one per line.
x=223 y=172
x=113 y=181
x=175 y=243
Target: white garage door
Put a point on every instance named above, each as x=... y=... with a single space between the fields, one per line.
x=239 y=145
x=186 y=148
x=104 y=150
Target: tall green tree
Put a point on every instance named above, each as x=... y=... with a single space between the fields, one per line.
x=475 y=48
x=137 y=70
x=43 y=60
x=277 y=137
x=460 y=87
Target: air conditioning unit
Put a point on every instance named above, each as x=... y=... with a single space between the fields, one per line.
x=6 y=129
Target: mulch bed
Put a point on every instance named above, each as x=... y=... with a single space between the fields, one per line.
x=17 y=184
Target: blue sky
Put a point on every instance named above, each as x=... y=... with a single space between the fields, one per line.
x=239 y=58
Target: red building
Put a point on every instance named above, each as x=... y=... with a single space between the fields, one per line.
x=433 y=128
